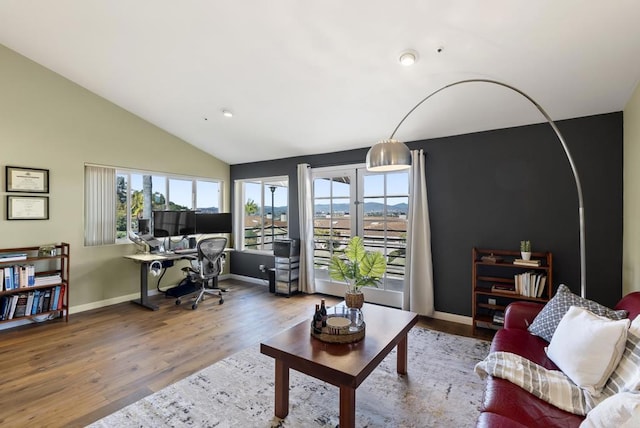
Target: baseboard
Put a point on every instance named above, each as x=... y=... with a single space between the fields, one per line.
x=250 y=279
x=120 y=299
x=108 y=302
x=445 y=316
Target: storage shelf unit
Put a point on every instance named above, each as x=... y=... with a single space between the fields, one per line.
x=287 y=265
x=494 y=284
x=287 y=272
x=33 y=278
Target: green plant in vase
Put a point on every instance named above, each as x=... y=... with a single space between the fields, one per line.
x=358 y=268
x=525 y=250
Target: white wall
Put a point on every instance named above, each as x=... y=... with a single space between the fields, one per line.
x=49 y=122
x=631 y=234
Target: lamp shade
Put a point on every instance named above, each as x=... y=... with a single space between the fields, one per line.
x=388 y=155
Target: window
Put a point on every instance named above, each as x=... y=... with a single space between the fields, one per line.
x=264 y=204
x=352 y=201
x=137 y=194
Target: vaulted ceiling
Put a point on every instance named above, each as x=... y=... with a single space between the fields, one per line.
x=305 y=77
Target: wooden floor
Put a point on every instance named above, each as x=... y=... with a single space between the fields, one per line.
x=71 y=374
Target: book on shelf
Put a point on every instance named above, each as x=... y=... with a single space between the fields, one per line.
x=5 y=304
x=63 y=288
x=522 y=262
x=503 y=289
x=23 y=277
x=47 y=279
x=530 y=284
x=543 y=281
x=36 y=302
x=14 y=304
x=46 y=301
x=8 y=277
x=21 y=305
x=30 y=297
x=11 y=257
x=55 y=295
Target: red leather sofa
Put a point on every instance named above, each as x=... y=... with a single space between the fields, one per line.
x=507 y=405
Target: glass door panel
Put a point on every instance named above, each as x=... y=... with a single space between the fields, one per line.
x=352 y=201
x=333 y=224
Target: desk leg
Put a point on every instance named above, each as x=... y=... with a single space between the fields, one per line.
x=282 y=389
x=347 y=407
x=402 y=356
x=144 y=298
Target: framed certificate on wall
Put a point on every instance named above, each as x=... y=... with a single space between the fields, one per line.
x=27 y=180
x=27 y=207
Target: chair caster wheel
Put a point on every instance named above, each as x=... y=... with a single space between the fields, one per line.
x=178 y=302
x=221 y=301
x=194 y=306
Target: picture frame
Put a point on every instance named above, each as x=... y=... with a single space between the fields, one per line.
x=26 y=180
x=27 y=207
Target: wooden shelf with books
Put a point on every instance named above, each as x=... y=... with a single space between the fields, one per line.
x=35 y=283
x=500 y=277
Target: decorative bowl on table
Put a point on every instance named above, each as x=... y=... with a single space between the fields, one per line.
x=344 y=325
x=338 y=325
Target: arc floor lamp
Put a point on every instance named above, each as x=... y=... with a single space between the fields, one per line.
x=391 y=155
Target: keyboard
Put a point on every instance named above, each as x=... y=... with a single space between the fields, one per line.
x=185 y=251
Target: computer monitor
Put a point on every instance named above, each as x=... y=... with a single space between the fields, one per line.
x=173 y=223
x=213 y=223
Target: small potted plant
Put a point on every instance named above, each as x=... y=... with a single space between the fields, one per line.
x=358 y=268
x=525 y=250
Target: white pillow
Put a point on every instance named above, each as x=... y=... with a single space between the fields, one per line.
x=626 y=376
x=588 y=347
x=620 y=410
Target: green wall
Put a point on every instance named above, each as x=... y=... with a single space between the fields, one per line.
x=48 y=122
x=631 y=235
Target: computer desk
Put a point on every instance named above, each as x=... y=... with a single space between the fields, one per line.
x=145 y=260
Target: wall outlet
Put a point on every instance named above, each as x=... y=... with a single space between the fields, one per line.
x=261 y=267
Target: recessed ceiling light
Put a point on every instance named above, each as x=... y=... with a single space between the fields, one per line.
x=408 y=57
x=227 y=113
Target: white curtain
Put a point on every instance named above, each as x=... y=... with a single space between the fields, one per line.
x=418 y=290
x=100 y=205
x=305 y=214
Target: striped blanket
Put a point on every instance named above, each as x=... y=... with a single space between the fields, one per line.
x=552 y=386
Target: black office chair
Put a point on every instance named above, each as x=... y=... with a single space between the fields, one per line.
x=206 y=268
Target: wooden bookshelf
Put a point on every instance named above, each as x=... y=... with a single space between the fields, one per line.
x=35 y=283
x=494 y=284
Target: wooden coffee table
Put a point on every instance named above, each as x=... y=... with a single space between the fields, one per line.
x=343 y=365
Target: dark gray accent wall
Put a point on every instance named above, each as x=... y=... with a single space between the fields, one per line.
x=493 y=189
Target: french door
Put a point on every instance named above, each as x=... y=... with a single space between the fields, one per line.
x=351 y=201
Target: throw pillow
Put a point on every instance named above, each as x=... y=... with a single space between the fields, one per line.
x=587 y=347
x=620 y=411
x=626 y=377
x=544 y=325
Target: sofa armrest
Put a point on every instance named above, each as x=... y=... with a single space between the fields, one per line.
x=521 y=314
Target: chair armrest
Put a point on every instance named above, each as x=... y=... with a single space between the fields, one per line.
x=521 y=314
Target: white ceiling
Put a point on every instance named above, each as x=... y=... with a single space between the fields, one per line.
x=305 y=77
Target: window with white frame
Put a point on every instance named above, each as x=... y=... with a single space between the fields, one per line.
x=137 y=194
x=264 y=205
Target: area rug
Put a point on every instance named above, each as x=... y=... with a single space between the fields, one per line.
x=440 y=390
